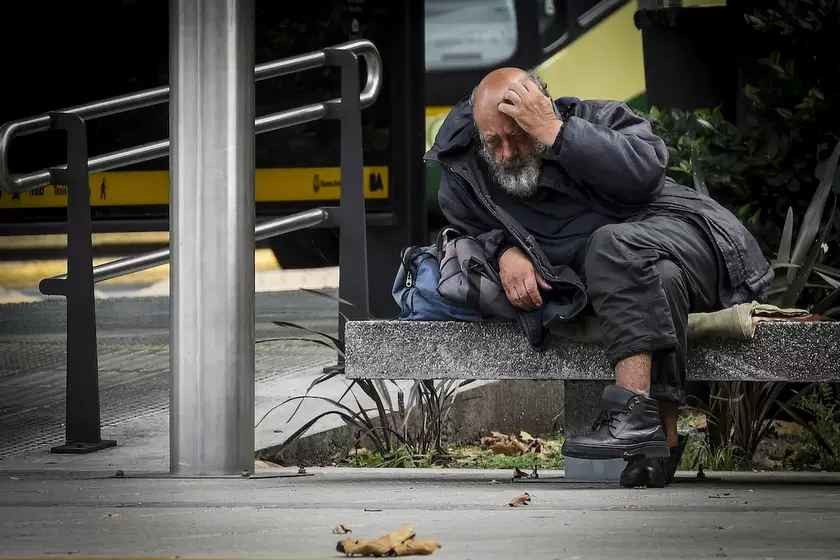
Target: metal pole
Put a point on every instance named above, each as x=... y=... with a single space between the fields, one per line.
x=211 y=238
x=353 y=281
x=82 y=429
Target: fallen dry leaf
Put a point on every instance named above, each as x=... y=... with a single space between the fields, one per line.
x=413 y=547
x=341 y=529
x=504 y=444
x=397 y=543
x=376 y=547
x=509 y=447
x=522 y=500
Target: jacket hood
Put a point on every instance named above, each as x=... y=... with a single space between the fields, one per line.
x=458 y=130
x=456 y=133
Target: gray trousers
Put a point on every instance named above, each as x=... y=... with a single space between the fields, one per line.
x=643 y=279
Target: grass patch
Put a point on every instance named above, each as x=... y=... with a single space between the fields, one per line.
x=787 y=446
x=461 y=457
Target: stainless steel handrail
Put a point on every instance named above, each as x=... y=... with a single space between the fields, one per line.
x=146 y=98
x=278 y=226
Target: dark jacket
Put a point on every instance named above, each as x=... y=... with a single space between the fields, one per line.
x=608 y=160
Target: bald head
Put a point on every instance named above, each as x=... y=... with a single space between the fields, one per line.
x=512 y=156
x=488 y=95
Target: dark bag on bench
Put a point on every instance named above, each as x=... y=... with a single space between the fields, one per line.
x=468 y=279
x=450 y=280
x=416 y=289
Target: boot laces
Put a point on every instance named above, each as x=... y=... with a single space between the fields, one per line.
x=602 y=418
x=612 y=418
x=615 y=419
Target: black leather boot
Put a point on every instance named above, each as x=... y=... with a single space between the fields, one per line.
x=644 y=471
x=628 y=425
x=653 y=472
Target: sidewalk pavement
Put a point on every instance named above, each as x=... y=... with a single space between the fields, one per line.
x=75 y=506
x=83 y=514
x=134 y=378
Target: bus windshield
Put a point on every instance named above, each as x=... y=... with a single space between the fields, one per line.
x=462 y=34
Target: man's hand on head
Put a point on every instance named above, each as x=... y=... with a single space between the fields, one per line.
x=519 y=279
x=532 y=111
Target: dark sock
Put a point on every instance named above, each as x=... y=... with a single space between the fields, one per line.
x=674 y=457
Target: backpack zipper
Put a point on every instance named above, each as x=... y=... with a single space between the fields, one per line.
x=407 y=255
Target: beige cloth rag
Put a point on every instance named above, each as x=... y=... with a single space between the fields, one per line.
x=737 y=322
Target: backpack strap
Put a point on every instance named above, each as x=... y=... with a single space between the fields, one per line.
x=474 y=289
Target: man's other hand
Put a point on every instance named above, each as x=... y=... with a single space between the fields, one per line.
x=532 y=111
x=519 y=279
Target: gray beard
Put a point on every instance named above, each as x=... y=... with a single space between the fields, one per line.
x=520 y=178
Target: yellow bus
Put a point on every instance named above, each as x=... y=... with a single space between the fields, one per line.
x=589 y=49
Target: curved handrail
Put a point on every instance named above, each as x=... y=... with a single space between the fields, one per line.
x=155 y=96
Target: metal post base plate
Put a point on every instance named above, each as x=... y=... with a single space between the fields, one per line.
x=592 y=470
x=83 y=446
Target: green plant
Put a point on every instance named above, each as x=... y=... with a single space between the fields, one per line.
x=701 y=454
x=799 y=266
x=821 y=447
x=789 y=118
x=400 y=433
x=742 y=414
x=462 y=456
x=706 y=150
x=767 y=168
x=401 y=457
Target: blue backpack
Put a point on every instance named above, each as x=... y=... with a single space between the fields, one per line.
x=416 y=289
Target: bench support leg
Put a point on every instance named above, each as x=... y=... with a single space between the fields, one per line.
x=582 y=399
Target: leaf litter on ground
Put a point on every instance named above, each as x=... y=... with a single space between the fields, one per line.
x=512 y=445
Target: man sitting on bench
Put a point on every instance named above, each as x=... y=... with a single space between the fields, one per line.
x=587 y=180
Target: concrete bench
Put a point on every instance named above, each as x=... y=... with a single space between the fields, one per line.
x=779 y=351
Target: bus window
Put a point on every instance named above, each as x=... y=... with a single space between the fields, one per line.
x=592 y=11
x=551 y=17
x=472 y=34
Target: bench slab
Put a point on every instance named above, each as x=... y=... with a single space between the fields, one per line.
x=780 y=351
